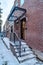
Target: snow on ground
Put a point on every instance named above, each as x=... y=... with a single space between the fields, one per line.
x=7 y=56
x=7 y=41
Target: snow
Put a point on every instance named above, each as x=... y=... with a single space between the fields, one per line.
x=39 y=54
x=23 y=53
x=31 y=56
x=7 y=41
x=6 y=55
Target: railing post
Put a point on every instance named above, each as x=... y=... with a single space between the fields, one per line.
x=10 y=36
x=20 y=48
x=14 y=37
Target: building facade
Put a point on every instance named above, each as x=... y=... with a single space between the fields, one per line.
x=30 y=26
x=0 y=18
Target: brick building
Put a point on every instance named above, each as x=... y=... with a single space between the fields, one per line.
x=0 y=18
x=30 y=26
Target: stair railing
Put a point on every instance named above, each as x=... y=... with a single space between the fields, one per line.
x=17 y=42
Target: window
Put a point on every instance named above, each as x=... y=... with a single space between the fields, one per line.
x=16 y=3
x=21 y=2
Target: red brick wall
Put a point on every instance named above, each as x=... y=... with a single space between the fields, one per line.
x=34 y=24
x=17 y=28
x=34 y=33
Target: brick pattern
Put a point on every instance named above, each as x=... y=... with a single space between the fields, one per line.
x=17 y=28
x=34 y=35
x=34 y=32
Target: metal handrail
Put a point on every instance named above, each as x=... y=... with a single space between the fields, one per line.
x=17 y=36
x=18 y=39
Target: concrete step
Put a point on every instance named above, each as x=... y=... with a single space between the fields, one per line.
x=18 y=42
x=27 y=57
x=22 y=46
x=25 y=53
x=22 y=50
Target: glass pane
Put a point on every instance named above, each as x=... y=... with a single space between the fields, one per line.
x=22 y=2
x=17 y=3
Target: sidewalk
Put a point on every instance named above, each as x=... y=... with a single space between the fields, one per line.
x=6 y=56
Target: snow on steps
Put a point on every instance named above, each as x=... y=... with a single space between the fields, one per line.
x=32 y=61
x=23 y=45
x=27 y=55
x=27 y=49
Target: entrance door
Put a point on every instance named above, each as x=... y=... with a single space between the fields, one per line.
x=23 y=22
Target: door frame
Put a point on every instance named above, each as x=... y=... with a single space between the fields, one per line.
x=22 y=29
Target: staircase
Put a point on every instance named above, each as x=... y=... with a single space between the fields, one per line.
x=26 y=52
x=21 y=50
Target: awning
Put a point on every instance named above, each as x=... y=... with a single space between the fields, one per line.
x=16 y=14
